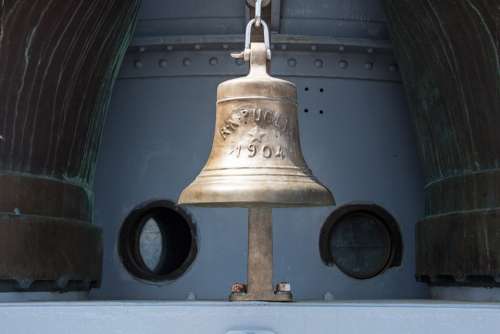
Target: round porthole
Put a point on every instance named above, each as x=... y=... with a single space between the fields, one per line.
x=362 y=240
x=157 y=241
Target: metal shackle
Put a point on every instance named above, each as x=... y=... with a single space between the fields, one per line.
x=245 y=54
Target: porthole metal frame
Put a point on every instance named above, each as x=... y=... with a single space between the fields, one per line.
x=382 y=215
x=129 y=241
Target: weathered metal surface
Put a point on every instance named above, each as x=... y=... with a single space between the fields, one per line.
x=342 y=18
x=47 y=253
x=260 y=250
x=448 y=52
x=260 y=262
x=58 y=61
x=256 y=159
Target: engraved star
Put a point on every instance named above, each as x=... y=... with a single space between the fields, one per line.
x=256 y=135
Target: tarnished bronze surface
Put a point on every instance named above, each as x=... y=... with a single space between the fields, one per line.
x=256 y=162
x=260 y=259
x=449 y=57
x=45 y=253
x=256 y=159
x=58 y=60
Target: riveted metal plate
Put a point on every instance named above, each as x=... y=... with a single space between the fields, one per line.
x=367 y=66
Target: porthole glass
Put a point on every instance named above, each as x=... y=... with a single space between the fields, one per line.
x=151 y=244
x=157 y=241
x=362 y=240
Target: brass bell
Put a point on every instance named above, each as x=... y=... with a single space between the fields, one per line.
x=256 y=162
x=256 y=159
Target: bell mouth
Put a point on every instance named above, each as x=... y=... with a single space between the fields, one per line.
x=256 y=191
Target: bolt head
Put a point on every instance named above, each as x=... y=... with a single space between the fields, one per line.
x=239 y=288
x=283 y=287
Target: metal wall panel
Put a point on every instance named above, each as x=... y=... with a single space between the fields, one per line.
x=158 y=137
x=340 y=18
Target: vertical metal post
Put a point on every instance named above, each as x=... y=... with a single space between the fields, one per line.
x=260 y=250
x=260 y=262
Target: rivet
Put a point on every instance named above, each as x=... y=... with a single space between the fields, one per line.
x=369 y=50
x=213 y=61
x=314 y=47
x=186 y=62
x=225 y=46
x=162 y=63
x=369 y=65
x=283 y=47
x=197 y=46
x=138 y=64
x=341 y=48
x=170 y=47
x=343 y=63
x=393 y=67
x=292 y=62
x=318 y=63
x=142 y=49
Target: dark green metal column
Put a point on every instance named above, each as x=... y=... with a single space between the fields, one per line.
x=448 y=54
x=58 y=61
